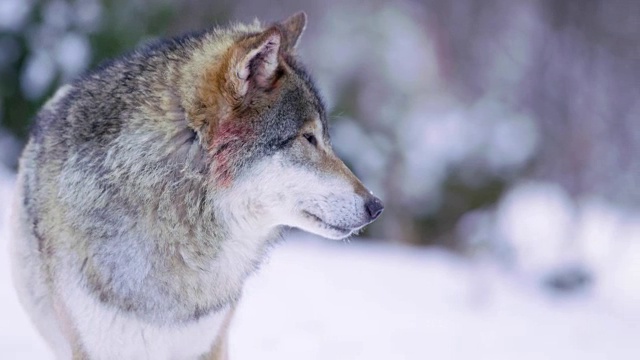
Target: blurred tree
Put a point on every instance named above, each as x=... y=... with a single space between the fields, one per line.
x=583 y=87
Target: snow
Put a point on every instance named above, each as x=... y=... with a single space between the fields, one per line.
x=318 y=299
x=537 y=219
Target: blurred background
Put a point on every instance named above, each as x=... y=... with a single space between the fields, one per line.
x=502 y=135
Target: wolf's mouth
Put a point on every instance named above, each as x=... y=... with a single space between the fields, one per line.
x=332 y=227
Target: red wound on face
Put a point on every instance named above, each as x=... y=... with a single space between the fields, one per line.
x=226 y=148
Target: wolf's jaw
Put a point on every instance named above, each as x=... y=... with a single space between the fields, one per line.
x=340 y=231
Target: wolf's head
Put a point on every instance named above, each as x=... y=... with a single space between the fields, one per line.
x=265 y=127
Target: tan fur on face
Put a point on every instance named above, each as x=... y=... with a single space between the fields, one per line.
x=202 y=77
x=223 y=89
x=228 y=86
x=329 y=162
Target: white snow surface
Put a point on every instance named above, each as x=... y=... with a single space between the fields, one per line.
x=317 y=299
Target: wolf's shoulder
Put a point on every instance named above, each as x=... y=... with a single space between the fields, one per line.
x=153 y=50
x=95 y=105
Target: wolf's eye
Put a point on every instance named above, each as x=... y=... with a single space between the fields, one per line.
x=311 y=139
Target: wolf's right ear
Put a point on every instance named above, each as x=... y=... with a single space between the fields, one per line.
x=293 y=27
x=255 y=62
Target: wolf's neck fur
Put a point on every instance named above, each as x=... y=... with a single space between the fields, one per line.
x=173 y=246
x=203 y=241
x=163 y=243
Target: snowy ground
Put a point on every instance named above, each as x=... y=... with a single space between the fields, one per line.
x=317 y=299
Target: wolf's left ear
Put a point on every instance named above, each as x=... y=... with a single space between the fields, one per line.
x=292 y=29
x=257 y=62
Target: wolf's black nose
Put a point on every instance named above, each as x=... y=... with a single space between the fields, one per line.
x=374 y=207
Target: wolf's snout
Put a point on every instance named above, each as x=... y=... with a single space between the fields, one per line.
x=374 y=207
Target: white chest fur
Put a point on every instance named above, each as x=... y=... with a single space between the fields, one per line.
x=106 y=333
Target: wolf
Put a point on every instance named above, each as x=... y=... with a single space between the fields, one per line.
x=153 y=186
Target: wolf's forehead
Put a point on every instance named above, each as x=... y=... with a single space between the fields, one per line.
x=306 y=84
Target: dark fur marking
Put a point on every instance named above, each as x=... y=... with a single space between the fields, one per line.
x=84 y=264
x=279 y=144
x=307 y=79
x=200 y=312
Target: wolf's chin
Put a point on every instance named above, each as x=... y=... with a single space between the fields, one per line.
x=330 y=233
x=324 y=229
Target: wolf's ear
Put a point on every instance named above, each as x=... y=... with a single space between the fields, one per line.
x=256 y=61
x=292 y=29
